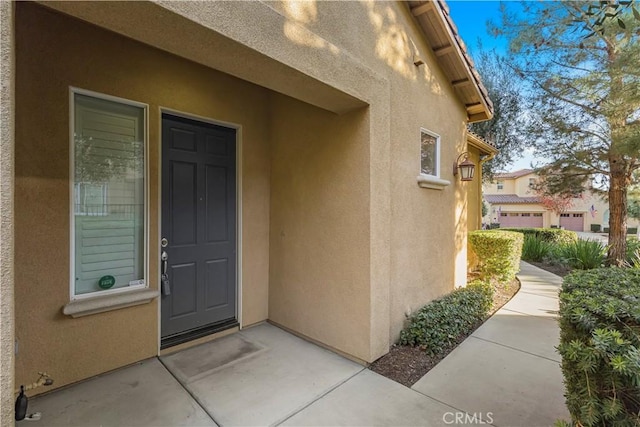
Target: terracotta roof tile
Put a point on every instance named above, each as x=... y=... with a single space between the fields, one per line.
x=515 y=174
x=509 y=199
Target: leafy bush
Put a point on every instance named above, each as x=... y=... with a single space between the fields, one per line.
x=633 y=253
x=551 y=235
x=596 y=228
x=498 y=253
x=584 y=254
x=600 y=346
x=535 y=249
x=438 y=325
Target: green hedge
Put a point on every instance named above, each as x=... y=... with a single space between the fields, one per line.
x=498 y=253
x=630 y=230
x=439 y=324
x=600 y=346
x=551 y=235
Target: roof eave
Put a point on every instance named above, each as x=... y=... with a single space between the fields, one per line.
x=480 y=108
x=480 y=144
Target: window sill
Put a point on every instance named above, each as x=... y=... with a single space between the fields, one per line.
x=100 y=304
x=427 y=181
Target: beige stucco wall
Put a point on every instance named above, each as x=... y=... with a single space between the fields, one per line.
x=522 y=186
x=508 y=186
x=65 y=52
x=320 y=230
x=6 y=214
x=339 y=56
x=427 y=227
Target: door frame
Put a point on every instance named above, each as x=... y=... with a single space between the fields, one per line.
x=157 y=249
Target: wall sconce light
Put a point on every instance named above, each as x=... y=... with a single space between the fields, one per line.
x=467 y=167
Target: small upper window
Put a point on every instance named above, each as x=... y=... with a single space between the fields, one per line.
x=429 y=153
x=532 y=182
x=500 y=185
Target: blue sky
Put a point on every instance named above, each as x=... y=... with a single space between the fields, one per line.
x=471 y=16
x=471 y=19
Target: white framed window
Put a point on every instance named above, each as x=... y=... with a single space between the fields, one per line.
x=429 y=153
x=108 y=200
x=500 y=185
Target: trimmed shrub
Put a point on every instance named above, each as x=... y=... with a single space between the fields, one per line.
x=632 y=230
x=438 y=325
x=498 y=253
x=535 y=249
x=600 y=346
x=494 y=225
x=596 y=228
x=583 y=254
x=551 y=235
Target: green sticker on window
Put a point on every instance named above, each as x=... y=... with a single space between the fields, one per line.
x=106 y=282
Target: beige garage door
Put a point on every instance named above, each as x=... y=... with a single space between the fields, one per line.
x=520 y=219
x=572 y=221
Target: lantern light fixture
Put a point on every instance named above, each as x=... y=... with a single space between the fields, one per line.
x=467 y=167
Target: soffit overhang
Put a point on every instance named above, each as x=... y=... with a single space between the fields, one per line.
x=449 y=49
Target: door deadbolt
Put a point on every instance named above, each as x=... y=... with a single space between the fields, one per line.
x=164 y=242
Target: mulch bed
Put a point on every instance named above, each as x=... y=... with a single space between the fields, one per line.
x=406 y=364
x=555 y=269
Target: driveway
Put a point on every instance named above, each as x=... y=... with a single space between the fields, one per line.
x=600 y=237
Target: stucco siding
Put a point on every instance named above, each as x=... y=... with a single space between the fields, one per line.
x=320 y=231
x=65 y=52
x=339 y=241
x=7 y=319
x=427 y=227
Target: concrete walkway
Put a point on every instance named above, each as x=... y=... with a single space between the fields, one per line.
x=509 y=367
x=505 y=374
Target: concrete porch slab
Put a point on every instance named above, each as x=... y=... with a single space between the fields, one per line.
x=267 y=386
x=530 y=334
x=517 y=388
x=144 y=394
x=369 y=399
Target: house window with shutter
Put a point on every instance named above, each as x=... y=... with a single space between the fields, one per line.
x=108 y=195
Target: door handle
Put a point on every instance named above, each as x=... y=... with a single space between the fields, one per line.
x=165 y=262
x=166 y=289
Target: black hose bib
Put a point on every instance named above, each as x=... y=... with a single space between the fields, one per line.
x=21 y=405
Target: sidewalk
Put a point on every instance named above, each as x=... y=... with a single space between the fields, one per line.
x=508 y=367
x=506 y=374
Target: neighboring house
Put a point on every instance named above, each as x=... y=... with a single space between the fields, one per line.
x=287 y=162
x=514 y=203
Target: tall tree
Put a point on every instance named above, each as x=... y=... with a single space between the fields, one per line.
x=584 y=113
x=502 y=129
